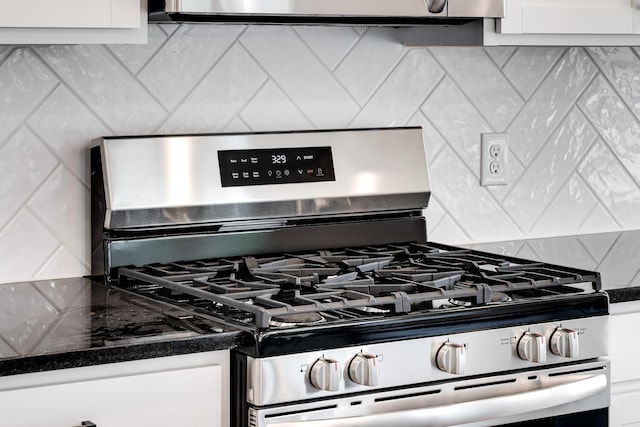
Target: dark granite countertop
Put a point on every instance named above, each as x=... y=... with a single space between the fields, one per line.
x=68 y=323
x=615 y=255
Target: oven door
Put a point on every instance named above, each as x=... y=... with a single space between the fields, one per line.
x=575 y=394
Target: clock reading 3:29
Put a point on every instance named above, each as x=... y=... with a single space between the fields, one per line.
x=278 y=159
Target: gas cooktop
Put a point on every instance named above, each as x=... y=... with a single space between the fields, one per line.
x=332 y=286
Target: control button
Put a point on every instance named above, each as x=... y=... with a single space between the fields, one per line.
x=233 y=161
x=309 y=171
x=363 y=369
x=325 y=374
x=300 y=171
x=286 y=172
x=298 y=158
x=320 y=172
x=254 y=160
x=564 y=342
x=235 y=175
x=255 y=174
x=309 y=157
x=270 y=173
x=278 y=173
x=451 y=358
x=245 y=174
x=244 y=160
x=532 y=347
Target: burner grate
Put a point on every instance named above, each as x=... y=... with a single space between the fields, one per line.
x=381 y=281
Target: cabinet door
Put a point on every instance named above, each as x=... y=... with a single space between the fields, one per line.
x=73 y=21
x=70 y=14
x=183 y=397
x=571 y=17
x=625 y=370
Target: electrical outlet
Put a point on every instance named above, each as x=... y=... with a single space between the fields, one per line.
x=493 y=159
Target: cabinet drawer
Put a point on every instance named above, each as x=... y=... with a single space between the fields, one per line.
x=183 y=397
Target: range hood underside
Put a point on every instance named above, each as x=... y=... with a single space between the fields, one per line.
x=459 y=32
x=328 y=12
x=369 y=21
x=417 y=25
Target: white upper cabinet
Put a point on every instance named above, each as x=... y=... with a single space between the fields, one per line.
x=73 y=21
x=566 y=22
x=70 y=14
x=571 y=17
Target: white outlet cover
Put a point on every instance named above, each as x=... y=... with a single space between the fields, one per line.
x=494 y=155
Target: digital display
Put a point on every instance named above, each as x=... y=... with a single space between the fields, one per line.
x=278 y=159
x=275 y=166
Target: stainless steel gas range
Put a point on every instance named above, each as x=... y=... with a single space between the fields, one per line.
x=314 y=245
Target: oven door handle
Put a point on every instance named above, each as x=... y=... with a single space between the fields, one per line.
x=471 y=411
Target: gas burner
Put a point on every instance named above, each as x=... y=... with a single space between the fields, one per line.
x=296 y=319
x=372 y=311
x=499 y=297
x=496 y=297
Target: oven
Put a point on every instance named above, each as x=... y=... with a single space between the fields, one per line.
x=314 y=245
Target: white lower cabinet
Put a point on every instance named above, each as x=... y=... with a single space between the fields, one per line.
x=625 y=366
x=190 y=390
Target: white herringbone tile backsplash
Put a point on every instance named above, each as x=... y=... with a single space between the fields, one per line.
x=572 y=114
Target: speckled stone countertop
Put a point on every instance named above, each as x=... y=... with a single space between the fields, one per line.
x=68 y=323
x=615 y=255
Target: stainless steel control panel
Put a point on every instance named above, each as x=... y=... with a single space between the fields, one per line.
x=402 y=363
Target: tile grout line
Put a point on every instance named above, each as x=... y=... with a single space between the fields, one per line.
x=328 y=69
x=595 y=196
x=64 y=84
x=629 y=110
x=172 y=111
x=605 y=76
x=587 y=149
x=613 y=245
x=553 y=130
x=270 y=79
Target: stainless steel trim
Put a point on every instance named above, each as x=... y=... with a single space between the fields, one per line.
x=302 y=7
x=484 y=401
x=492 y=408
x=140 y=251
x=263 y=210
x=339 y=8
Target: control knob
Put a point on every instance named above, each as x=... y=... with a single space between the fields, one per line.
x=564 y=342
x=363 y=369
x=325 y=374
x=532 y=347
x=451 y=358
